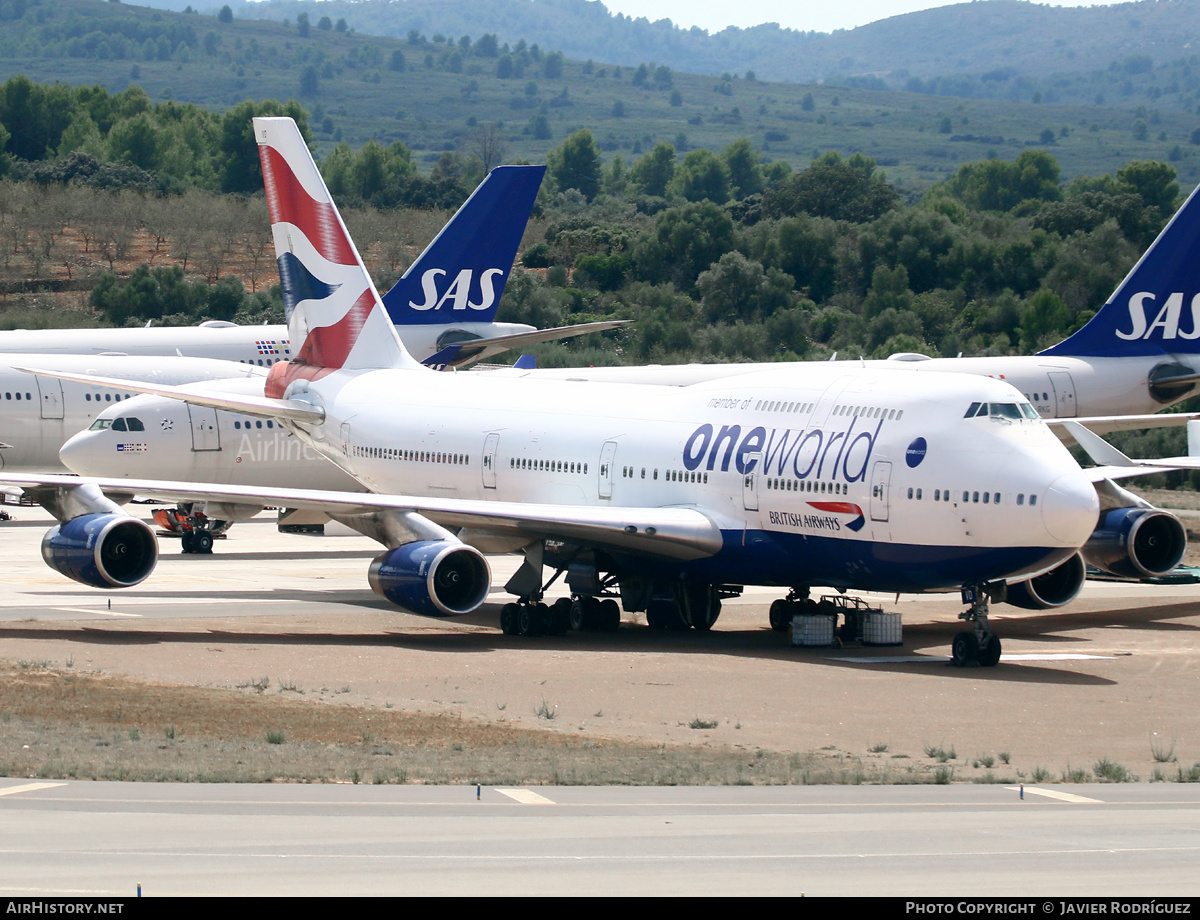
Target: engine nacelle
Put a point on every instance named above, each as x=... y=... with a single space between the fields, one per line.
x=102 y=550
x=435 y=578
x=1136 y=542
x=1059 y=586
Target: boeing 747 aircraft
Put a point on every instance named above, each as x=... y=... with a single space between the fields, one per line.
x=857 y=478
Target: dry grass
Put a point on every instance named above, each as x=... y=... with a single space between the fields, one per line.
x=68 y=724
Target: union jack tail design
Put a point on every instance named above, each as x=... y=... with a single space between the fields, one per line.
x=334 y=315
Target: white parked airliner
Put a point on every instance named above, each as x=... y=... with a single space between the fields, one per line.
x=672 y=498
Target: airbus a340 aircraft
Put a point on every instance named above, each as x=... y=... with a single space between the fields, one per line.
x=444 y=307
x=851 y=477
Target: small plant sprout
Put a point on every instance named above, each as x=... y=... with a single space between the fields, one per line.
x=546 y=711
x=878 y=748
x=275 y=737
x=702 y=723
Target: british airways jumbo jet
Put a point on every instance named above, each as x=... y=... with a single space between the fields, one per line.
x=865 y=478
x=444 y=307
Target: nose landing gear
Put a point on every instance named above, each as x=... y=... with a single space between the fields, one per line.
x=980 y=647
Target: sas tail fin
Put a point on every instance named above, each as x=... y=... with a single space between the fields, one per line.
x=462 y=273
x=1156 y=309
x=334 y=315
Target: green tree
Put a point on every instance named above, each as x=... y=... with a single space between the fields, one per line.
x=701 y=175
x=850 y=189
x=226 y=14
x=240 y=168
x=745 y=173
x=576 y=164
x=653 y=171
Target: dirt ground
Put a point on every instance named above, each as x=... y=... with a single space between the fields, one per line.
x=280 y=635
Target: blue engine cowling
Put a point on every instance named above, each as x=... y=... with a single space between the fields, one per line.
x=435 y=578
x=1059 y=586
x=1136 y=542
x=102 y=550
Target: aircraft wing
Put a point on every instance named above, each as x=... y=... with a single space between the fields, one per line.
x=460 y=354
x=1105 y=424
x=263 y=406
x=672 y=533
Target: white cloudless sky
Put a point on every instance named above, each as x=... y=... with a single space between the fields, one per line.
x=715 y=15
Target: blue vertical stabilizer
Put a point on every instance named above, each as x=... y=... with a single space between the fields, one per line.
x=1156 y=309
x=461 y=274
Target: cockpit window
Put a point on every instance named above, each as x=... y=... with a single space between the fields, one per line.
x=973 y=411
x=118 y=424
x=1005 y=410
x=1028 y=411
x=135 y=424
x=100 y=424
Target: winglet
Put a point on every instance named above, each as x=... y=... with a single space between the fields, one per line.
x=1096 y=447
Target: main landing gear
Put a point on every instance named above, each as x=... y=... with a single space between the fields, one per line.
x=980 y=647
x=579 y=613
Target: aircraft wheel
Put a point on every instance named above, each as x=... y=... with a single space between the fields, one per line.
x=989 y=652
x=781 y=615
x=560 y=616
x=965 y=650
x=186 y=541
x=609 y=616
x=579 y=619
x=202 y=542
x=509 y=614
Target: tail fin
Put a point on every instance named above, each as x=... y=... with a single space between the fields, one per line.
x=464 y=270
x=1156 y=309
x=333 y=312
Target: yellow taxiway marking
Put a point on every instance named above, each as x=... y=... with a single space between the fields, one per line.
x=29 y=787
x=525 y=797
x=1055 y=794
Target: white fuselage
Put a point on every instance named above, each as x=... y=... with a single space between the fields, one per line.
x=37 y=414
x=816 y=472
x=1058 y=387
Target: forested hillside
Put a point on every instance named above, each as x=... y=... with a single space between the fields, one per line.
x=1125 y=54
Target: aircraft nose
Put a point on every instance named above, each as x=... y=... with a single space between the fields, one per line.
x=76 y=453
x=1070 y=509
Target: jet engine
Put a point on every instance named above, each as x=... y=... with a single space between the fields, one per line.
x=1055 y=588
x=110 y=550
x=1136 y=542
x=435 y=578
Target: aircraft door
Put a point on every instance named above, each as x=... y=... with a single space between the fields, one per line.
x=50 y=389
x=489 y=460
x=820 y=413
x=607 y=453
x=1064 y=394
x=750 y=481
x=205 y=435
x=881 y=477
